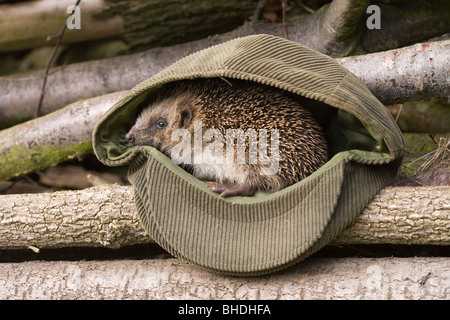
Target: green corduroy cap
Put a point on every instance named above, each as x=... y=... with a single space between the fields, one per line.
x=269 y=231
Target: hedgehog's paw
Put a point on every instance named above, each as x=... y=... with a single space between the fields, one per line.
x=234 y=190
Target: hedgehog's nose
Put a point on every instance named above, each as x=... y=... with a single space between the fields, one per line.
x=130 y=137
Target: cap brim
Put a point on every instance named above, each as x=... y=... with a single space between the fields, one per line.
x=237 y=235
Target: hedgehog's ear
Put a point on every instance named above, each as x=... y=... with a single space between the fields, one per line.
x=185 y=117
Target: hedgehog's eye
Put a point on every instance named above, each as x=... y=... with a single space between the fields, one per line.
x=161 y=124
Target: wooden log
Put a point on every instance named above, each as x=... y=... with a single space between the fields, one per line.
x=105 y=216
x=417 y=72
x=142 y=24
x=47 y=141
x=28 y=24
x=325 y=278
x=389 y=75
x=156 y=23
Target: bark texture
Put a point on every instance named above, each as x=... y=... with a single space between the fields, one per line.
x=347 y=278
x=403 y=215
x=105 y=216
x=338 y=27
x=142 y=24
x=89 y=79
x=99 y=216
x=27 y=25
x=416 y=72
x=402 y=25
x=149 y=24
x=62 y=135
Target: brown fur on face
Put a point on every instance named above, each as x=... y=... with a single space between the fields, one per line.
x=155 y=125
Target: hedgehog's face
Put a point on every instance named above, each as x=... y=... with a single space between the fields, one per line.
x=156 y=124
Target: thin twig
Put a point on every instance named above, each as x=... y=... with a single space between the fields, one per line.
x=283 y=20
x=306 y=8
x=259 y=10
x=398 y=113
x=439 y=156
x=49 y=62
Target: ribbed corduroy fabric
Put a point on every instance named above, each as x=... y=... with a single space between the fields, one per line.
x=268 y=232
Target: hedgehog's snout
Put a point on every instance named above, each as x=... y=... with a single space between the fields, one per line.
x=130 y=137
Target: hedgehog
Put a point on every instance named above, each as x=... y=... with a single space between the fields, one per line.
x=238 y=135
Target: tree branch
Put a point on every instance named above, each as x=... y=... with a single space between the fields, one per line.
x=105 y=216
x=325 y=278
x=62 y=135
x=389 y=75
x=84 y=80
x=142 y=24
x=26 y=25
x=405 y=24
x=339 y=27
x=419 y=71
x=58 y=37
